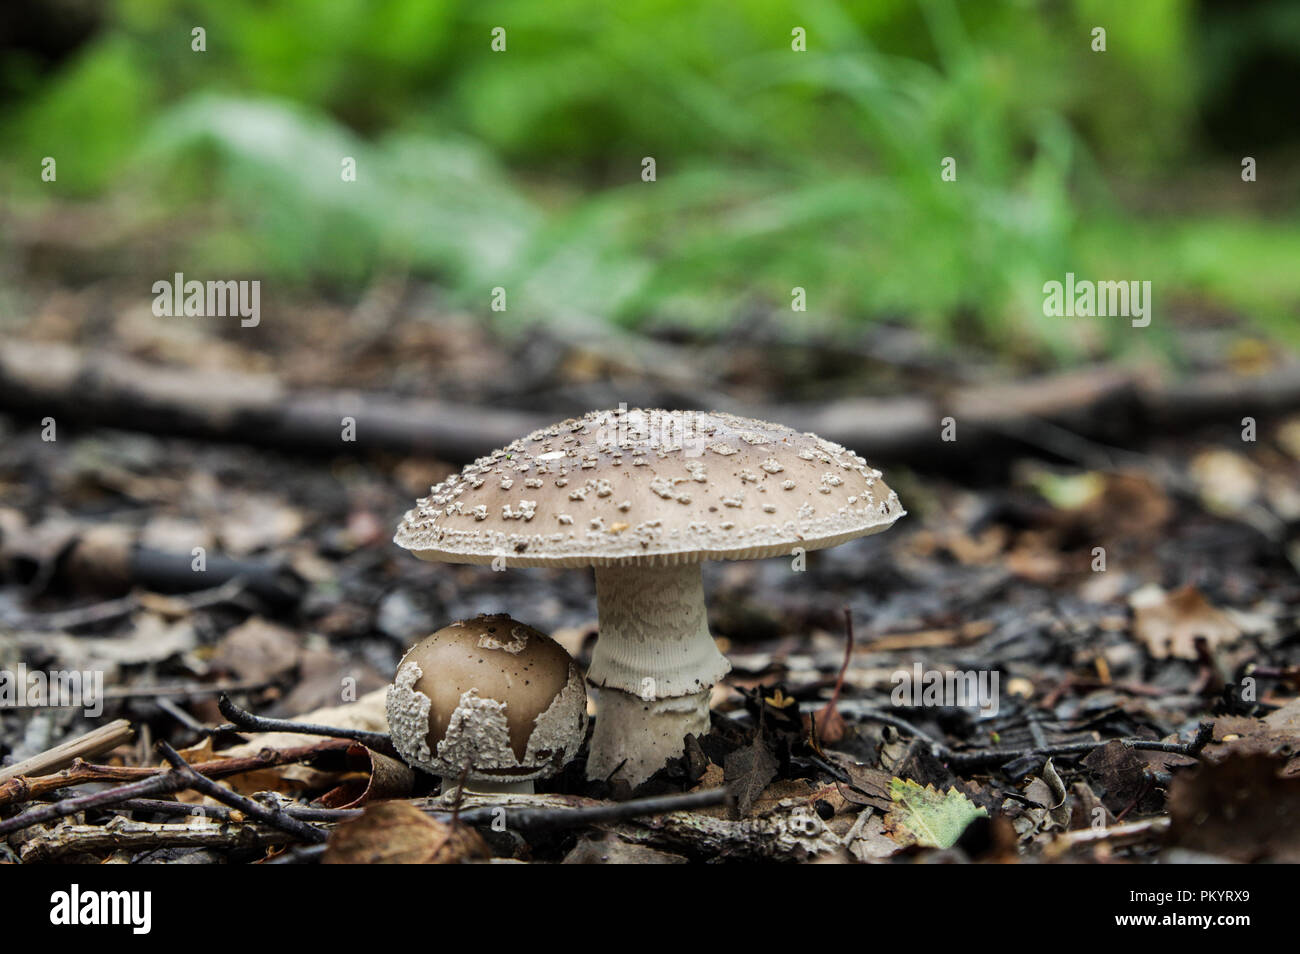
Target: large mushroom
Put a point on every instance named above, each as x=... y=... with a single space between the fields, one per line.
x=644 y=497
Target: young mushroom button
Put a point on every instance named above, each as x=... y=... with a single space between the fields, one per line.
x=490 y=697
x=644 y=497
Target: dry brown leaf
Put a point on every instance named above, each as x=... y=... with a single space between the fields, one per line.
x=383 y=778
x=1169 y=624
x=398 y=833
x=257 y=522
x=612 y=850
x=1276 y=735
x=257 y=651
x=1240 y=808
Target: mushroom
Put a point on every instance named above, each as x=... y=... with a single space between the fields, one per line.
x=489 y=697
x=644 y=497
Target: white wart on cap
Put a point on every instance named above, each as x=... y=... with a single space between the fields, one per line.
x=650 y=487
x=644 y=496
x=489 y=696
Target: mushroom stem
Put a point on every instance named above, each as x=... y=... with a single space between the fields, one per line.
x=656 y=654
x=636 y=737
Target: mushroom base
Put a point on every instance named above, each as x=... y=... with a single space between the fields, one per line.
x=637 y=736
x=486 y=786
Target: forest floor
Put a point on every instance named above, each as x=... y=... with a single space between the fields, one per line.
x=1131 y=614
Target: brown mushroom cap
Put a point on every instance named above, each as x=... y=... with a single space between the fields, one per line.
x=492 y=691
x=652 y=487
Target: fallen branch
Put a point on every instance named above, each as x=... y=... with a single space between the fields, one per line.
x=185 y=691
x=157 y=784
x=243 y=719
x=96 y=742
x=969 y=760
x=787 y=833
x=1128 y=832
x=534 y=819
x=271 y=816
x=118 y=391
x=132 y=836
x=108 y=610
x=22 y=789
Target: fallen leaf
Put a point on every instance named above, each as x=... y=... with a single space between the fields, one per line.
x=868 y=840
x=1240 y=808
x=1276 y=735
x=383 y=778
x=398 y=833
x=612 y=850
x=257 y=651
x=1169 y=624
x=926 y=816
x=1120 y=773
x=1047 y=791
x=867 y=785
x=747 y=772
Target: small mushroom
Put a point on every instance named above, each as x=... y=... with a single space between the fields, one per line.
x=490 y=697
x=644 y=497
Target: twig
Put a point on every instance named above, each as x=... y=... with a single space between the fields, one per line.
x=156 y=784
x=832 y=723
x=522 y=817
x=76 y=618
x=164 y=806
x=243 y=719
x=23 y=789
x=968 y=760
x=542 y=818
x=298 y=855
x=1128 y=831
x=184 y=718
x=984 y=757
x=1147 y=784
x=135 y=836
x=104 y=739
x=271 y=816
x=902 y=725
x=460 y=790
x=185 y=691
x=123 y=606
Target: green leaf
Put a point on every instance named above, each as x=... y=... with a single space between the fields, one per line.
x=926 y=816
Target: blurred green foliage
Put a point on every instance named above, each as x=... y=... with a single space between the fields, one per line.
x=775 y=168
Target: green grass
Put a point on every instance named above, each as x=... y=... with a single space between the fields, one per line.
x=776 y=169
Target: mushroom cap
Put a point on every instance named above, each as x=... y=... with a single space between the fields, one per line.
x=650 y=487
x=492 y=692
